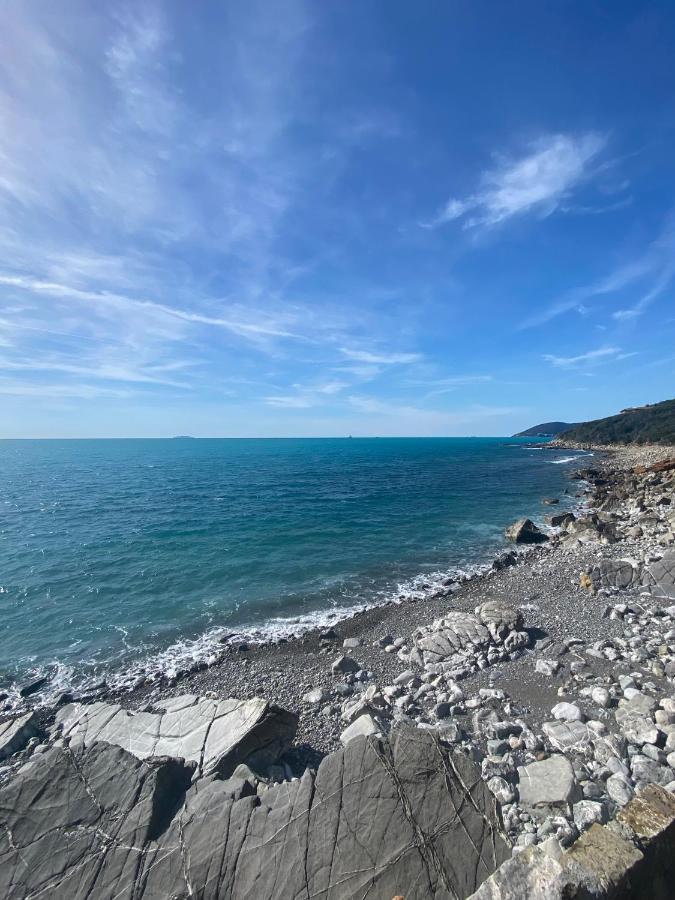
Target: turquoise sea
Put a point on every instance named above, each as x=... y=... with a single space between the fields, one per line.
x=118 y=553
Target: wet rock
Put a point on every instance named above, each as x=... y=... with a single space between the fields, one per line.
x=524 y=531
x=28 y=688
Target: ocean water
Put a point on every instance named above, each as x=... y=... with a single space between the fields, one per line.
x=116 y=554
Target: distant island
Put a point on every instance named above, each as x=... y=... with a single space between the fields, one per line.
x=547 y=429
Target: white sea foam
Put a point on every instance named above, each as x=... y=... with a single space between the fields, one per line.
x=210 y=647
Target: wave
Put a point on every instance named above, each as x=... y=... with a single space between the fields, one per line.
x=191 y=654
x=567 y=459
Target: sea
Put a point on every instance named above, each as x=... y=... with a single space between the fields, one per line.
x=120 y=558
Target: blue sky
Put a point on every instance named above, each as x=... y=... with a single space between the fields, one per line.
x=300 y=218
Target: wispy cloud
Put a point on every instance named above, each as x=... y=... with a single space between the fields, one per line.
x=537 y=182
x=655 y=267
x=377 y=358
x=592 y=357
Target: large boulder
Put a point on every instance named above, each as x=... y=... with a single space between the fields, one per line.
x=454 y=634
x=408 y=818
x=524 y=531
x=216 y=735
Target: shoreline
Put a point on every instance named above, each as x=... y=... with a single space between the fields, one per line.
x=573 y=663
x=191 y=655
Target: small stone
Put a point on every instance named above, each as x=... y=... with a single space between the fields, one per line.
x=345 y=664
x=352 y=643
x=364 y=725
x=547 y=666
x=567 y=712
x=587 y=812
x=550 y=782
x=600 y=696
x=318 y=695
x=501 y=789
x=619 y=789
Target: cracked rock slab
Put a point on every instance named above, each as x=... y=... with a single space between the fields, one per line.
x=376 y=820
x=215 y=735
x=660 y=576
x=15 y=734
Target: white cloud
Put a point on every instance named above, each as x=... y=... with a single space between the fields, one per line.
x=536 y=182
x=592 y=357
x=385 y=359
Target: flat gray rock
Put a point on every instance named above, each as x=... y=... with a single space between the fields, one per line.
x=550 y=782
x=216 y=735
x=613 y=574
x=660 y=576
x=377 y=820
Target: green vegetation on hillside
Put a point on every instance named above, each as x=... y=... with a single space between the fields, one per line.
x=546 y=429
x=653 y=424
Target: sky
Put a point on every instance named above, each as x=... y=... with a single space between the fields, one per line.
x=367 y=217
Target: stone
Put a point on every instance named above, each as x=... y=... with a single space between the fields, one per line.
x=567 y=735
x=524 y=531
x=450 y=637
x=15 y=733
x=600 y=696
x=567 y=712
x=317 y=695
x=587 y=812
x=502 y=790
x=345 y=665
x=28 y=688
x=352 y=643
x=550 y=782
x=407 y=818
x=638 y=729
x=499 y=617
x=619 y=789
x=550 y=501
x=659 y=576
x=547 y=666
x=613 y=574
x=562 y=520
x=216 y=735
x=362 y=726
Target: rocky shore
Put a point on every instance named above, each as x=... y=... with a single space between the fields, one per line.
x=543 y=691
